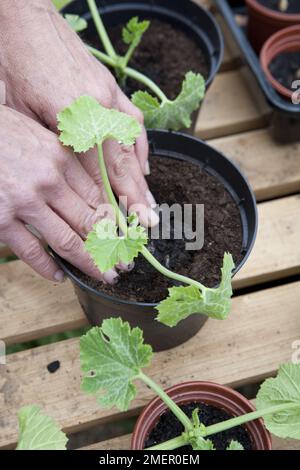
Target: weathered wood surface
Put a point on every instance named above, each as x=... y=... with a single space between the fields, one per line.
x=245 y=348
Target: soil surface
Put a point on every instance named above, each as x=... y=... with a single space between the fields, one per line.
x=165 y=55
x=169 y=427
x=174 y=181
x=286 y=68
x=293 y=5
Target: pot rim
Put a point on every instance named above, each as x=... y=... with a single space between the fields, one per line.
x=286 y=40
x=207 y=392
x=64 y=264
x=272 y=14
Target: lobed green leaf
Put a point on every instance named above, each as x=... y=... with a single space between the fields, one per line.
x=185 y=301
x=77 y=23
x=111 y=358
x=38 y=431
x=132 y=33
x=172 y=115
x=86 y=123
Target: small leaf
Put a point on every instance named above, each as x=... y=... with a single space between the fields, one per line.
x=199 y=443
x=235 y=445
x=172 y=115
x=38 y=431
x=284 y=389
x=76 y=22
x=86 y=123
x=132 y=33
x=185 y=301
x=111 y=358
x=108 y=249
x=195 y=418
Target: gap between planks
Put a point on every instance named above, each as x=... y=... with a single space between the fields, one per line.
x=31 y=307
x=247 y=347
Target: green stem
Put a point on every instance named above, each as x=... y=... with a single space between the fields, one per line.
x=166 y=272
x=113 y=62
x=101 y=29
x=121 y=220
x=172 y=444
x=239 y=420
x=180 y=415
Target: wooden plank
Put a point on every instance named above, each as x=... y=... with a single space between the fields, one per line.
x=232 y=56
x=233 y=104
x=124 y=442
x=247 y=347
x=276 y=253
x=31 y=307
x=208 y=4
x=272 y=169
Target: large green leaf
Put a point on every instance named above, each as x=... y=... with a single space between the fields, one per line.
x=184 y=301
x=111 y=358
x=172 y=115
x=107 y=249
x=284 y=389
x=38 y=431
x=86 y=123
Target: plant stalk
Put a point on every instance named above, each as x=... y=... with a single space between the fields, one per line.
x=113 y=62
x=180 y=415
x=171 y=444
x=101 y=29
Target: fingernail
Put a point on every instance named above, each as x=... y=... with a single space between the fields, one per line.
x=148 y=218
x=150 y=198
x=111 y=277
x=59 y=276
x=147 y=168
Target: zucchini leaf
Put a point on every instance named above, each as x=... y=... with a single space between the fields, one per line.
x=172 y=115
x=185 y=301
x=111 y=358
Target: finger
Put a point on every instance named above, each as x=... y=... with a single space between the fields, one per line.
x=67 y=244
x=128 y=181
x=141 y=147
x=30 y=250
x=72 y=209
x=82 y=183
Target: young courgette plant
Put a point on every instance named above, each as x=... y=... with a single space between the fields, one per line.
x=159 y=111
x=86 y=124
x=113 y=357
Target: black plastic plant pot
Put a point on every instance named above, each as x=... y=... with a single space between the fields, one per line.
x=184 y=15
x=98 y=305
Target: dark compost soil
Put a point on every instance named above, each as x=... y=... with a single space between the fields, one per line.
x=293 y=5
x=165 y=55
x=174 y=181
x=169 y=427
x=286 y=68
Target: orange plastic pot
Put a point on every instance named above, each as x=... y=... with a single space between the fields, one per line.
x=287 y=40
x=264 y=22
x=210 y=394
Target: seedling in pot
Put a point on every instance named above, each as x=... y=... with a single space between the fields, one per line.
x=159 y=112
x=86 y=124
x=113 y=357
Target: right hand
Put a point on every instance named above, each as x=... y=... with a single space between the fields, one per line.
x=43 y=184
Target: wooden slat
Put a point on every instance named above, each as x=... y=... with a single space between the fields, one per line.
x=124 y=442
x=272 y=169
x=245 y=348
x=233 y=104
x=277 y=251
x=31 y=307
x=232 y=56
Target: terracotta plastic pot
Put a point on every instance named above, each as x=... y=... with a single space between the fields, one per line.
x=287 y=40
x=263 y=22
x=203 y=392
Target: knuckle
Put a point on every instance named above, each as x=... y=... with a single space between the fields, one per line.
x=31 y=252
x=121 y=166
x=69 y=243
x=26 y=202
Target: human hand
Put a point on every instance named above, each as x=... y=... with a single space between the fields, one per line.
x=44 y=185
x=45 y=67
